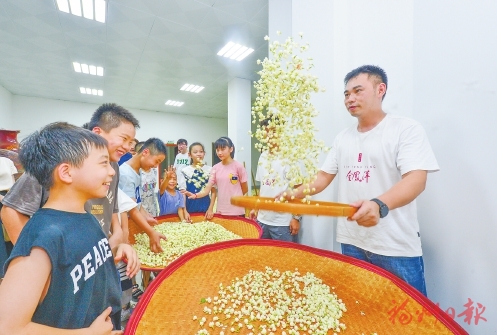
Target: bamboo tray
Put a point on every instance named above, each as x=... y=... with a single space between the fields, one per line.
x=238 y=225
x=295 y=206
x=376 y=301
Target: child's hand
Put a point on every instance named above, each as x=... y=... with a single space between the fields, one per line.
x=209 y=214
x=170 y=172
x=127 y=251
x=155 y=241
x=102 y=325
x=187 y=217
x=253 y=214
x=151 y=220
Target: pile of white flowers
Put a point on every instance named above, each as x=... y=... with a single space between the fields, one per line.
x=284 y=97
x=181 y=238
x=273 y=302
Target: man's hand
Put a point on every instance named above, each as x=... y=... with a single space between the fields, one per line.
x=127 y=251
x=155 y=238
x=294 y=227
x=368 y=213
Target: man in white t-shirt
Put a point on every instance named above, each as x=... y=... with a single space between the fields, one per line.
x=182 y=159
x=381 y=164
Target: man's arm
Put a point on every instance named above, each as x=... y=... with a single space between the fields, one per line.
x=25 y=292
x=13 y=222
x=405 y=191
x=323 y=179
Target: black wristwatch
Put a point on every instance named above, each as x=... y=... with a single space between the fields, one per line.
x=383 y=207
x=297 y=217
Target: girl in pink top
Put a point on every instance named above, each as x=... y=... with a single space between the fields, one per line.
x=229 y=176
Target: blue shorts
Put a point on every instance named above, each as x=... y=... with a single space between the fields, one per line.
x=409 y=269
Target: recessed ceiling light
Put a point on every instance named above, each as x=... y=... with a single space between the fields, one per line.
x=235 y=51
x=88 y=69
x=174 y=103
x=191 y=88
x=91 y=91
x=90 y=9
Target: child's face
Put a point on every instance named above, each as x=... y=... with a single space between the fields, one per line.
x=172 y=183
x=197 y=154
x=148 y=161
x=224 y=153
x=94 y=176
x=119 y=140
x=182 y=147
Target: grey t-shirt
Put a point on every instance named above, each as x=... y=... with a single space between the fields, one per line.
x=27 y=196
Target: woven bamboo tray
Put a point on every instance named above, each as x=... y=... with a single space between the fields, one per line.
x=238 y=225
x=295 y=206
x=376 y=300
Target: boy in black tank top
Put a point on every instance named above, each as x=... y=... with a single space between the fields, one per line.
x=61 y=274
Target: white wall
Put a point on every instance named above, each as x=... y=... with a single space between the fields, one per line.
x=5 y=108
x=440 y=60
x=30 y=114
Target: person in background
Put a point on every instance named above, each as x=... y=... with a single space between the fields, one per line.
x=61 y=276
x=230 y=178
x=127 y=156
x=275 y=225
x=193 y=178
x=382 y=163
x=150 y=155
x=171 y=200
x=182 y=159
x=7 y=172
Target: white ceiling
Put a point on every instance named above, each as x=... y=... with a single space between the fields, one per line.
x=148 y=48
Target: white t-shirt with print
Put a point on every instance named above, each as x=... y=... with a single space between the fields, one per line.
x=271 y=189
x=367 y=165
x=180 y=162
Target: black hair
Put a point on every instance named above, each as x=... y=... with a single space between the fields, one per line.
x=59 y=142
x=110 y=116
x=138 y=146
x=181 y=140
x=269 y=118
x=154 y=145
x=86 y=126
x=380 y=76
x=224 y=142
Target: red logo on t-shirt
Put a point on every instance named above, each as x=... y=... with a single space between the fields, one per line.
x=360 y=157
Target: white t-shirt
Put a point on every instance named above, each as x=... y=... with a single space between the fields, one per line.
x=367 y=165
x=180 y=162
x=129 y=182
x=148 y=191
x=271 y=189
x=7 y=170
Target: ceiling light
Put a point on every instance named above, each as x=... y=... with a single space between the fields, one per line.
x=91 y=91
x=174 y=103
x=191 y=88
x=77 y=66
x=88 y=69
x=75 y=7
x=245 y=54
x=235 y=51
x=63 y=6
x=90 y=9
